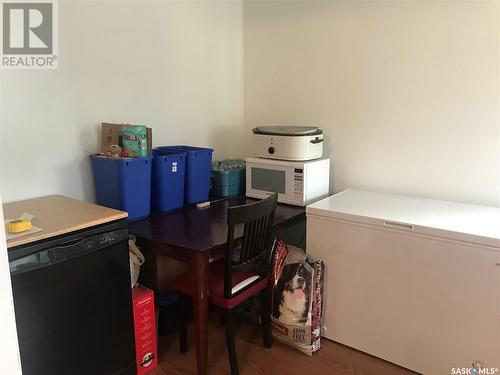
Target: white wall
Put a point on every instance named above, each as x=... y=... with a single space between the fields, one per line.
x=10 y=363
x=173 y=65
x=408 y=93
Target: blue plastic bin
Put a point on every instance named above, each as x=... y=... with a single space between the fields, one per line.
x=123 y=184
x=167 y=185
x=229 y=183
x=198 y=168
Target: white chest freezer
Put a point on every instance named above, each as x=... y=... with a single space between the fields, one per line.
x=413 y=281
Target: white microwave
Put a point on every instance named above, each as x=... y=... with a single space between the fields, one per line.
x=298 y=183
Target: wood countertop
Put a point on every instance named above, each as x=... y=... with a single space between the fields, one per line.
x=56 y=215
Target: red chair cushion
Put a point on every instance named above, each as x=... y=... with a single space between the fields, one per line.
x=184 y=284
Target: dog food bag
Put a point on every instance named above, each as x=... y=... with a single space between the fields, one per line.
x=297 y=298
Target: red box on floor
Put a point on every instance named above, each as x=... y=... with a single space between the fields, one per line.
x=145 y=329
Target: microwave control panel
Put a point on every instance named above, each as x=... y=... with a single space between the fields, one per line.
x=298 y=181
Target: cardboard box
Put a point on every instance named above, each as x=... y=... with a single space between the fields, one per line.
x=110 y=135
x=146 y=349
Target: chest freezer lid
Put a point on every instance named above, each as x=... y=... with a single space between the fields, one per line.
x=457 y=221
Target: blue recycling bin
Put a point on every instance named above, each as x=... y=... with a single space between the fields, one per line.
x=197 y=174
x=167 y=184
x=123 y=184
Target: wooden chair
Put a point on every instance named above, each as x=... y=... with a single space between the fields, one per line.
x=243 y=273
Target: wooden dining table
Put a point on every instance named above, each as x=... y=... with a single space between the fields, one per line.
x=197 y=236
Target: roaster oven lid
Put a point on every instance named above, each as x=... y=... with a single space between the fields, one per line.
x=288 y=130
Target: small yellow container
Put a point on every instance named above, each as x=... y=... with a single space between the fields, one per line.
x=18 y=226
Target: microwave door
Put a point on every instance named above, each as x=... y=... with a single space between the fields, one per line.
x=268 y=180
x=264 y=180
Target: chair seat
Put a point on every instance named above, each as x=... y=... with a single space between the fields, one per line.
x=184 y=284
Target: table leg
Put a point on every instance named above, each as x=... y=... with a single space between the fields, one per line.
x=199 y=264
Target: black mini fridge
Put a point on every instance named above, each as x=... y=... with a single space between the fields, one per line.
x=73 y=304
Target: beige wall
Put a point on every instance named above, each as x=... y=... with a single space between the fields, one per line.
x=174 y=65
x=408 y=93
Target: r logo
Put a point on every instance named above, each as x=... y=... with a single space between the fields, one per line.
x=27 y=28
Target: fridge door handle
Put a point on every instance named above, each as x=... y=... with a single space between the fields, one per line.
x=72 y=242
x=397 y=225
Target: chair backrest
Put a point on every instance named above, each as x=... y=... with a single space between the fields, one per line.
x=254 y=249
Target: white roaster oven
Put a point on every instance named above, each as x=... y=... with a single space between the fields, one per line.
x=288 y=161
x=287 y=142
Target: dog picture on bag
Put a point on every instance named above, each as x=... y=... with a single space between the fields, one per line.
x=293 y=294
